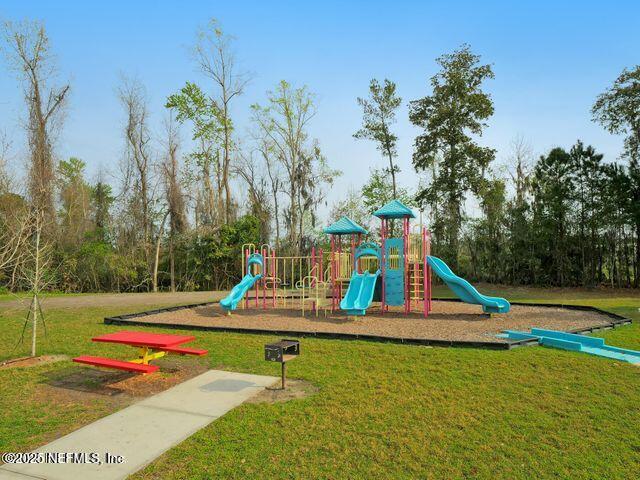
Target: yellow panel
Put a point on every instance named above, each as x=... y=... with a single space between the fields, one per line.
x=394 y=258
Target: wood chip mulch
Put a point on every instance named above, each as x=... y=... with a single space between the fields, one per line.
x=449 y=321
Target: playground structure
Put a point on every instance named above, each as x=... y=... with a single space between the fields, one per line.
x=396 y=272
x=271 y=281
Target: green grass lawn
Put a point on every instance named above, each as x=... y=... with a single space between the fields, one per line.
x=382 y=410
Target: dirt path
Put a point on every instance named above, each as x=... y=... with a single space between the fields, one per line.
x=120 y=299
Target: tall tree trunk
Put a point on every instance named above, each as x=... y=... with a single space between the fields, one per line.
x=636 y=281
x=293 y=217
x=227 y=159
x=210 y=196
x=35 y=324
x=154 y=279
x=454 y=231
x=36 y=284
x=145 y=215
x=172 y=270
x=628 y=263
x=393 y=173
x=276 y=210
x=220 y=214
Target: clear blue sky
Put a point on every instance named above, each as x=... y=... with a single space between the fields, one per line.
x=550 y=62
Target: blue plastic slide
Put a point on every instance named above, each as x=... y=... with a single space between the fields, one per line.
x=360 y=293
x=230 y=302
x=465 y=291
x=576 y=343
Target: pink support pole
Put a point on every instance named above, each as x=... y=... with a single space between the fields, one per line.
x=407 y=279
x=321 y=271
x=256 y=290
x=429 y=267
x=339 y=268
x=340 y=247
x=425 y=281
x=336 y=273
x=407 y=288
x=312 y=283
x=313 y=264
x=332 y=274
x=246 y=260
x=358 y=243
x=264 y=278
x=353 y=253
x=383 y=233
x=273 y=278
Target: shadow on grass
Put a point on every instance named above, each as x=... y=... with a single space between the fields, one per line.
x=88 y=380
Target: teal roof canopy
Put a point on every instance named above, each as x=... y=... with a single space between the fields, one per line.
x=394 y=209
x=344 y=226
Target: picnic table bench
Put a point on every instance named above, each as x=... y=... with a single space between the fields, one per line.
x=151 y=346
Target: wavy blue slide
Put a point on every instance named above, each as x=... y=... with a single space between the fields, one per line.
x=230 y=302
x=360 y=293
x=465 y=291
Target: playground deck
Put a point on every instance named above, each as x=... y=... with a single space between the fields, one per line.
x=448 y=323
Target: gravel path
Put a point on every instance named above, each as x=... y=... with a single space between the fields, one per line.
x=120 y=299
x=447 y=321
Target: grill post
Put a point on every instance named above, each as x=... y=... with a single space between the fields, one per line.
x=281 y=352
x=284 y=375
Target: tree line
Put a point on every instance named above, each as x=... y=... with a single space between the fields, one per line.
x=175 y=215
x=567 y=218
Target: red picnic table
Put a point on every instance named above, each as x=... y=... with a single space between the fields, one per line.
x=150 y=345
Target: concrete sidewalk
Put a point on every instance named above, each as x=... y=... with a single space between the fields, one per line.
x=143 y=431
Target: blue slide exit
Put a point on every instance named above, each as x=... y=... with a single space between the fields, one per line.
x=230 y=302
x=465 y=291
x=360 y=293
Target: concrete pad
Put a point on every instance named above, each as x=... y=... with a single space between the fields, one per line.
x=143 y=431
x=6 y=475
x=194 y=396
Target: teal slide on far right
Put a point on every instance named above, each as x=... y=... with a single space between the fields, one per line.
x=465 y=291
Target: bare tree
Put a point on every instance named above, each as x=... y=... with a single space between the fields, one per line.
x=203 y=112
x=275 y=182
x=5 y=155
x=15 y=226
x=138 y=158
x=36 y=270
x=213 y=204
x=216 y=59
x=173 y=192
x=252 y=173
x=28 y=52
x=156 y=258
x=283 y=123
x=74 y=210
x=520 y=162
x=378 y=115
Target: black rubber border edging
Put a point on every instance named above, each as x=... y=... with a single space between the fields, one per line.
x=130 y=319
